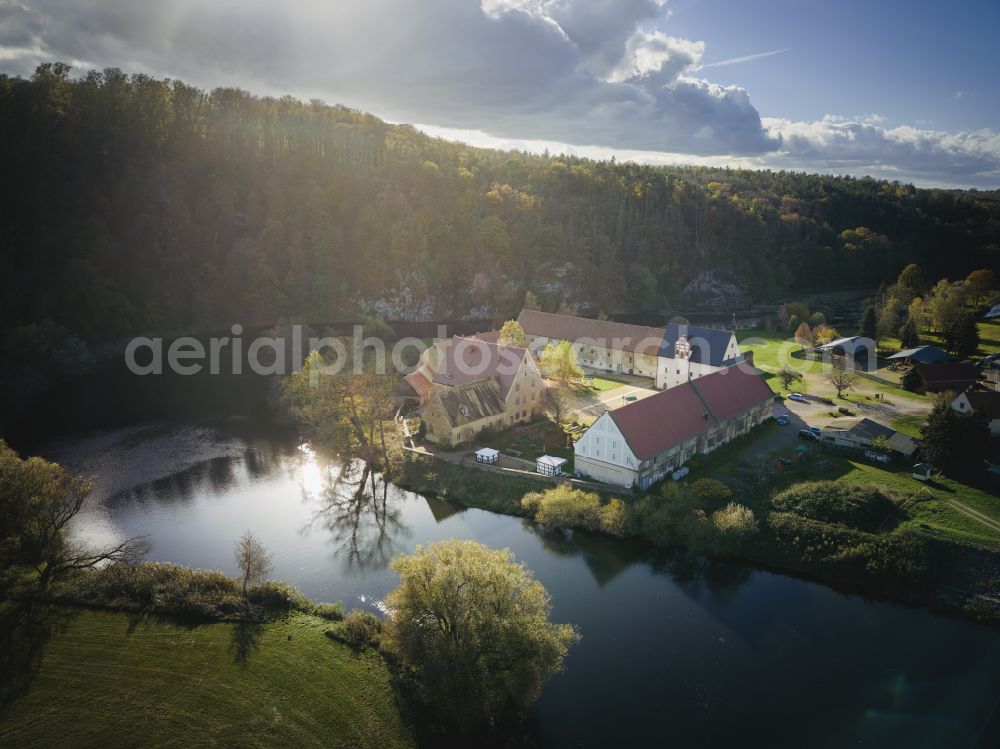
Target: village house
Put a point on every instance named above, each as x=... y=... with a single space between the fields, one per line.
x=669 y=356
x=643 y=442
x=860 y=434
x=466 y=385
x=936 y=378
x=983 y=402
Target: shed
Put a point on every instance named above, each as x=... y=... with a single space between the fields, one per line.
x=549 y=465
x=487 y=455
x=922 y=471
x=921 y=355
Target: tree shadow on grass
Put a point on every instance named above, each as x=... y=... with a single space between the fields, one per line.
x=25 y=629
x=245 y=640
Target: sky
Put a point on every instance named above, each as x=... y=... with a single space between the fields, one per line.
x=900 y=90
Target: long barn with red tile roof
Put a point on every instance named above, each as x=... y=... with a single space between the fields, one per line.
x=645 y=441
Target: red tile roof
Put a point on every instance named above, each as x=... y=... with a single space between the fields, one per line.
x=731 y=391
x=656 y=423
x=661 y=421
x=420 y=384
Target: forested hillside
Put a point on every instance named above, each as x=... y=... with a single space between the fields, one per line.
x=132 y=203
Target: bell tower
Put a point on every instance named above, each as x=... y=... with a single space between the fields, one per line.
x=682 y=361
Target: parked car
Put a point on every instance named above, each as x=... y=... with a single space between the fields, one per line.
x=782 y=420
x=808 y=434
x=877 y=456
x=798 y=398
x=814 y=430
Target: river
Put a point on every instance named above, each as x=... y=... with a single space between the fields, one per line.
x=675 y=651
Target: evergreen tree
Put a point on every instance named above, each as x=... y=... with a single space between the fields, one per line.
x=962 y=336
x=908 y=335
x=868 y=327
x=957 y=444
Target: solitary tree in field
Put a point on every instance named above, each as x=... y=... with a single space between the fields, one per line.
x=842 y=377
x=804 y=335
x=788 y=376
x=252 y=559
x=512 y=334
x=472 y=626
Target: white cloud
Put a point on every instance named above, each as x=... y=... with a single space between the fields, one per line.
x=601 y=73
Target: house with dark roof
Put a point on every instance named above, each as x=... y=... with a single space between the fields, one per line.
x=643 y=442
x=983 y=402
x=465 y=385
x=935 y=378
x=670 y=356
x=921 y=355
x=860 y=434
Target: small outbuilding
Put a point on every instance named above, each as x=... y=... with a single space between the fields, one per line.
x=920 y=355
x=549 y=465
x=487 y=455
x=922 y=472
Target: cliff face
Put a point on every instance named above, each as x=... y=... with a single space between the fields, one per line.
x=712 y=290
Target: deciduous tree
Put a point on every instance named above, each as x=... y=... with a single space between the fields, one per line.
x=252 y=559
x=473 y=627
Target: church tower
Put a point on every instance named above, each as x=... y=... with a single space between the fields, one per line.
x=682 y=360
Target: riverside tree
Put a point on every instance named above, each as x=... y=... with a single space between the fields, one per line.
x=472 y=626
x=252 y=559
x=38 y=499
x=346 y=408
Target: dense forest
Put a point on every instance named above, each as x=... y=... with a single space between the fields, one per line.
x=132 y=203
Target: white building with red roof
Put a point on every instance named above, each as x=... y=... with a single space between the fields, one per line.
x=643 y=442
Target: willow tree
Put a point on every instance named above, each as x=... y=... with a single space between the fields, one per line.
x=472 y=626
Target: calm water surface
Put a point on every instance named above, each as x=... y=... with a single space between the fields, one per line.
x=675 y=651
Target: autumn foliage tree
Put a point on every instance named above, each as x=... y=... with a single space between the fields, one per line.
x=472 y=627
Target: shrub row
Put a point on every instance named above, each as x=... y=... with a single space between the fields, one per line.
x=182 y=591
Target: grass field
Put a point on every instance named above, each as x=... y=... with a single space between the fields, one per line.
x=600 y=384
x=108 y=680
x=989 y=339
x=935 y=508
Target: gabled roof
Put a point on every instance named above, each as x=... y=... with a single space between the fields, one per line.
x=457 y=361
x=850 y=344
x=672 y=416
x=617 y=335
x=986 y=402
x=731 y=391
x=420 y=384
x=923 y=355
x=659 y=422
x=942 y=374
x=708 y=346
x=470 y=402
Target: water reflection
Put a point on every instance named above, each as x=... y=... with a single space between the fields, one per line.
x=352 y=506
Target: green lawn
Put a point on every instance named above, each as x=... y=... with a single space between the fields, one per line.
x=989 y=339
x=931 y=512
x=110 y=680
x=601 y=384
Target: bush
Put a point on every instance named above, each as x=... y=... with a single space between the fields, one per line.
x=333 y=612
x=711 y=493
x=863 y=507
x=161 y=588
x=278 y=596
x=613 y=518
x=362 y=628
x=735 y=520
x=564 y=507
